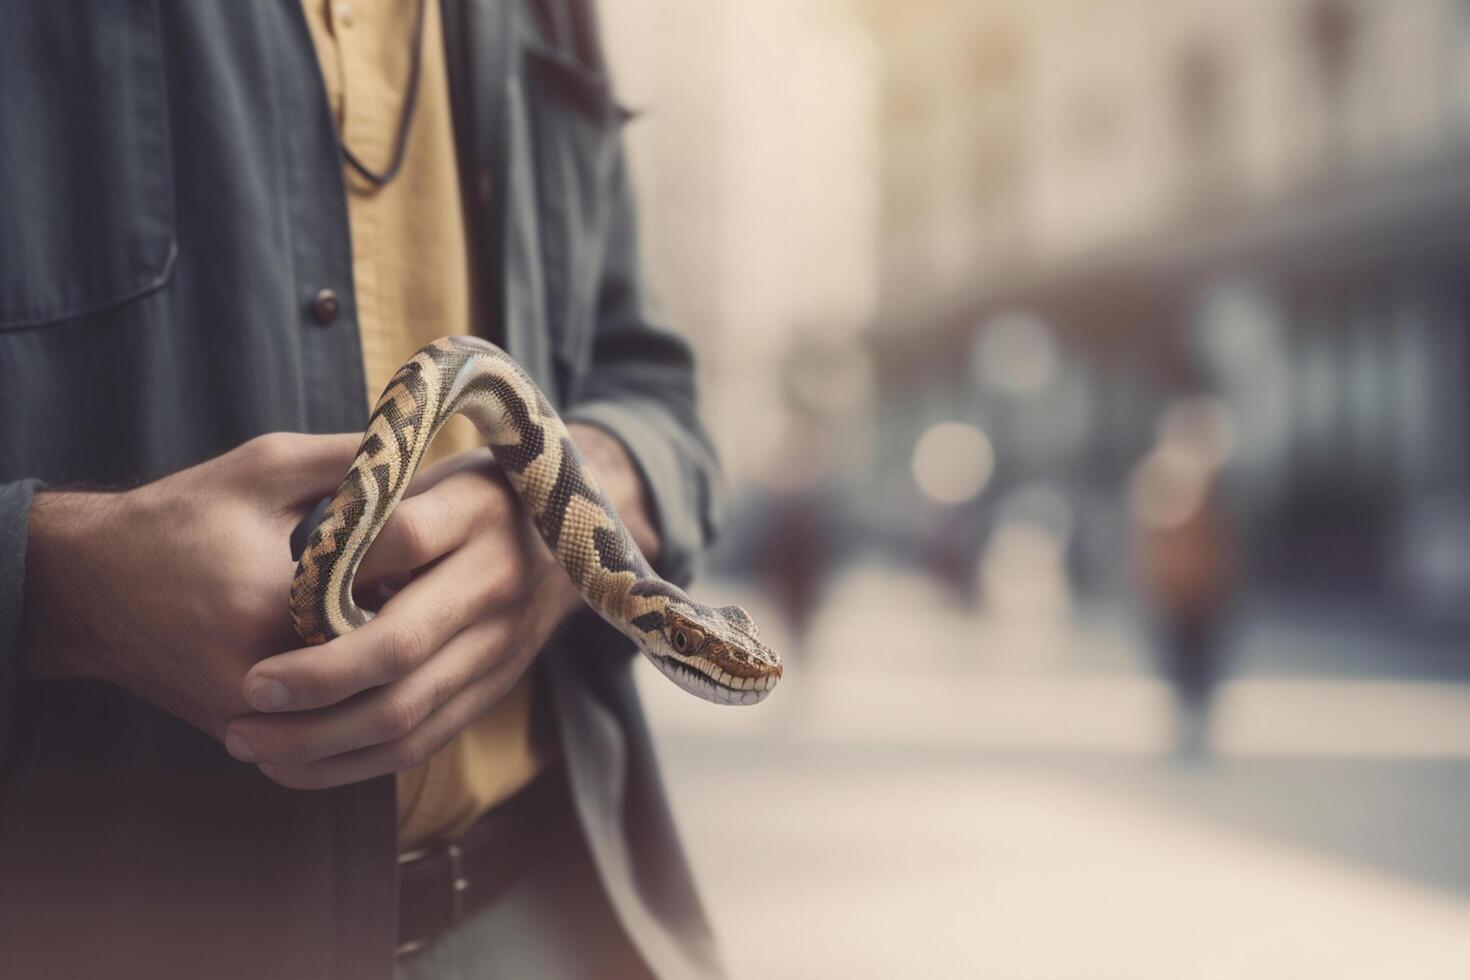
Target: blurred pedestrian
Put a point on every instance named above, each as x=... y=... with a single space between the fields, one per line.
x=1186 y=563
x=793 y=562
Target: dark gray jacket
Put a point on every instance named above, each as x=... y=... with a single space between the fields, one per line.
x=171 y=200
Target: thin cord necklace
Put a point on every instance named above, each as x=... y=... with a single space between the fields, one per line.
x=411 y=100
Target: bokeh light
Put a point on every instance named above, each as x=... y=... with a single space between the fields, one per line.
x=953 y=462
x=1016 y=354
x=1200 y=426
x=1168 y=487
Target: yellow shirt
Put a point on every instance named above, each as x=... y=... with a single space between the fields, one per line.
x=411 y=275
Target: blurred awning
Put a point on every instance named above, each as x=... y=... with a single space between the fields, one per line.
x=1406 y=221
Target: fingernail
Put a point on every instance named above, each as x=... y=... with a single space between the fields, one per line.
x=268 y=695
x=236 y=746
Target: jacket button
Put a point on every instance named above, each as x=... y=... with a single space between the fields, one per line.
x=325 y=306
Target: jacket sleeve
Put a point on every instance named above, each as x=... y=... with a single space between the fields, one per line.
x=641 y=388
x=15 y=509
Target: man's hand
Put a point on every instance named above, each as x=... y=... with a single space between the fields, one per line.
x=484 y=597
x=175 y=589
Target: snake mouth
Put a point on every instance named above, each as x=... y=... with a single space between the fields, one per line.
x=717 y=685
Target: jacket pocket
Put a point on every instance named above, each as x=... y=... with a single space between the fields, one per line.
x=86 y=181
x=576 y=126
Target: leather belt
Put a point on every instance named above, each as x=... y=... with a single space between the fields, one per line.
x=441 y=885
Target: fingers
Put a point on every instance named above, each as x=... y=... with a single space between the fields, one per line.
x=404 y=753
x=414 y=624
x=481 y=461
x=293 y=470
x=487 y=654
x=433 y=523
x=421 y=530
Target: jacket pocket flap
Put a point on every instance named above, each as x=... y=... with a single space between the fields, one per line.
x=86 y=179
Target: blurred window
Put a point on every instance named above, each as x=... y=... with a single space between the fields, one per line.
x=1333 y=29
x=1199 y=98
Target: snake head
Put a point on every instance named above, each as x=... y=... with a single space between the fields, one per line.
x=715 y=653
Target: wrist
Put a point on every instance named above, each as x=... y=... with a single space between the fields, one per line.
x=62 y=530
x=622 y=482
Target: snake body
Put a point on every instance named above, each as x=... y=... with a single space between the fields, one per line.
x=712 y=652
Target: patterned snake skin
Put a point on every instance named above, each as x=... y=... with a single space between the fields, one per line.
x=711 y=652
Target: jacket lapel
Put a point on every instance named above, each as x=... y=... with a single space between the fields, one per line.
x=482 y=48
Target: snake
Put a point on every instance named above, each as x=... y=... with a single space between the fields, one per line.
x=713 y=652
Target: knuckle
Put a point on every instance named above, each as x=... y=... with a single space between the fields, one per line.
x=415 y=536
x=289 y=750
x=503 y=580
x=493 y=588
x=493 y=499
x=439 y=692
x=456 y=607
x=404 y=648
x=410 y=752
x=330 y=684
x=399 y=717
x=502 y=505
x=267 y=450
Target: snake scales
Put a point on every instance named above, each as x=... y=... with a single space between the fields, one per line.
x=712 y=652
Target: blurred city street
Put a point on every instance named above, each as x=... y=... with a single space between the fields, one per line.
x=935 y=792
x=1054 y=348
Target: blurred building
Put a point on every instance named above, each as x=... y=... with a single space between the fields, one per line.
x=1091 y=207
x=755 y=156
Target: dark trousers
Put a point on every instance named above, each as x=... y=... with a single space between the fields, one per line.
x=544 y=914
x=1192 y=647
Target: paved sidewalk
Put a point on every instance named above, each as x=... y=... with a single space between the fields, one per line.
x=1004 y=807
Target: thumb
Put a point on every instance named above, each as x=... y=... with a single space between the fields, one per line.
x=291 y=471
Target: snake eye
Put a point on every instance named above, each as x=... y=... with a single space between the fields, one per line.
x=681 y=640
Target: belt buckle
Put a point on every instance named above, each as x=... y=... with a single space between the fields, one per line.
x=459 y=883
